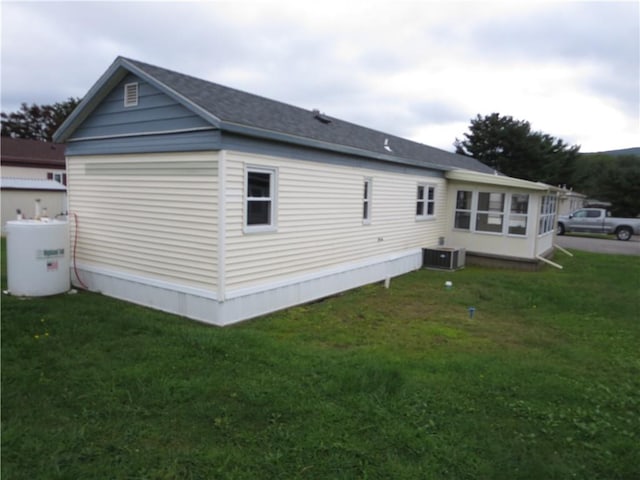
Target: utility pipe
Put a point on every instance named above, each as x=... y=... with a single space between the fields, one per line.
x=546 y=260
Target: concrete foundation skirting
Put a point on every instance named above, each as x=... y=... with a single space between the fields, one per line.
x=498 y=261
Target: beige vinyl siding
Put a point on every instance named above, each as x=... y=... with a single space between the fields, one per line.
x=28 y=172
x=153 y=215
x=319 y=219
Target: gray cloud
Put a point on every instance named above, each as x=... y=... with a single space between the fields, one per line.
x=393 y=67
x=604 y=34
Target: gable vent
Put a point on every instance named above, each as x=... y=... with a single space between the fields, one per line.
x=131 y=94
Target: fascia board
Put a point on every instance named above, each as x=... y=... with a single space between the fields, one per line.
x=90 y=101
x=308 y=142
x=499 y=180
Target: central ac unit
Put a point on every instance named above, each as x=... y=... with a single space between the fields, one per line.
x=443 y=258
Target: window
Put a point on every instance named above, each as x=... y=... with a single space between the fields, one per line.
x=463 y=210
x=366 y=201
x=425 y=201
x=490 y=213
x=547 y=214
x=518 y=214
x=131 y=94
x=57 y=177
x=260 y=187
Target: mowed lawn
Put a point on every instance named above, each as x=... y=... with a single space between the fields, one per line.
x=398 y=383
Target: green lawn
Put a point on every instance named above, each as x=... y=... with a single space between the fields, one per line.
x=543 y=383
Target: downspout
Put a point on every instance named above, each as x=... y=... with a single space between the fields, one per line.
x=546 y=260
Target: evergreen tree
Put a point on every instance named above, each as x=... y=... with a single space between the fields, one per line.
x=37 y=122
x=609 y=178
x=512 y=148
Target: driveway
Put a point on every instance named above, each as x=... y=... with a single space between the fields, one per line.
x=600 y=245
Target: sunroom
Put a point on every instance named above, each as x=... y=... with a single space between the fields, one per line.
x=501 y=220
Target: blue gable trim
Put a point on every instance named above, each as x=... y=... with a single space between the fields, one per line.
x=120 y=69
x=170 y=142
x=158 y=123
x=155 y=113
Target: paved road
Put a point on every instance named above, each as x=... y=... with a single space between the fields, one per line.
x=600 y=245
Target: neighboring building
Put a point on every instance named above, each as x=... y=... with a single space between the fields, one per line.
x=220 y=205
x=570 y=201
x=32 y=170
x=594 y=203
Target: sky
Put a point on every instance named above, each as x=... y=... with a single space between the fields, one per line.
x=418 y=69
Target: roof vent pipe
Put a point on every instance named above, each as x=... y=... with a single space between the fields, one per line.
x=320 y=116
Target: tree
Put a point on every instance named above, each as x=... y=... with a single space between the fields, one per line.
x=609 y=178
x=37 y=122
x=510 y=147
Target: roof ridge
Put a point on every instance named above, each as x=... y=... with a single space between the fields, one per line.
x=249 y=114
x=216 y=84
x=269 y=99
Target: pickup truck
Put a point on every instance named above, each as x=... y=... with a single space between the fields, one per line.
x=597 y=220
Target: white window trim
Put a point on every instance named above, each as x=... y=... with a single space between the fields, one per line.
x=477 y=211
x=367 y=200
x=511 y=215
x=506 y=214
x=273 y=227
x=128 y=93
x=426 y=201
x=470 y=211
x=547 y=217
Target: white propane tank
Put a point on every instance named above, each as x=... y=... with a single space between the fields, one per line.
x=37 y=257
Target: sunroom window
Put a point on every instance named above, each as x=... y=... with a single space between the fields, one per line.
x=518 y=214
x=490 y=213
x=463 y=209
x=547 y=214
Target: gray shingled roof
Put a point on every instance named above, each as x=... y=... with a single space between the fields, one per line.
x=235 y=107
x=31 y=153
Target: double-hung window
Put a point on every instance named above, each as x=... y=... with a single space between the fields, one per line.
x=260 y=199
x=518 y=214
x=490 y=213
x=425 y=201
x=366 y=201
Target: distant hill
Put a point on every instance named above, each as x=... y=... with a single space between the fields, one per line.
x=616 y=153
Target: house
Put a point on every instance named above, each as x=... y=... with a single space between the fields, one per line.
x=570 y=201
x=32 y=170
x=220 y=205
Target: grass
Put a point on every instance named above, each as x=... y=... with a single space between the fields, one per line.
x=543 y=382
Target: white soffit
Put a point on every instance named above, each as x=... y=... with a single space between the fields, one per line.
x=31 y=184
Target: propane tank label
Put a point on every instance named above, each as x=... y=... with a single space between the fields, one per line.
x=50 y=253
